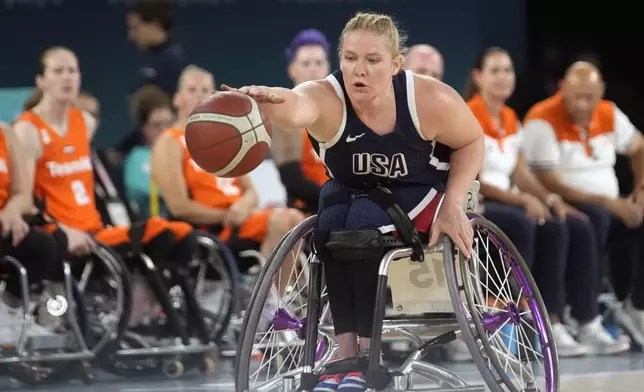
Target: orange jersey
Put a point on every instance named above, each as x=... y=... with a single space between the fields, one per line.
x=312 y=166
x=64 y=175
x=5 y=173
x=205 y=188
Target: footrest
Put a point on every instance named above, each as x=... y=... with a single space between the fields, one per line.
x=379 y=378
x=45 y=341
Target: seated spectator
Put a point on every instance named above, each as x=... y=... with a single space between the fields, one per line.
x=89 y=104
x=571 y=139
x=423 y=59
x=301 y=170
x=152 y=110
x=227 y=206
x=556 y=248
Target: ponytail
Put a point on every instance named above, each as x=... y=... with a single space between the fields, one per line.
x=33 y=100
x=471 y=88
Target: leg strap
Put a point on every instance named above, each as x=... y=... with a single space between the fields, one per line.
x=385 y=200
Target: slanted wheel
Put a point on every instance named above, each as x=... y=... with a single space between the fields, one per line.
x=217 y=284
x=272 y=336
x=502 y=316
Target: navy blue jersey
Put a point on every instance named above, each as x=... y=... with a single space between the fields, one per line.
x=413 y=168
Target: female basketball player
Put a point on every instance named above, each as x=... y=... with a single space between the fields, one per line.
x=56 y=138
x=34 y=248
x=556 y=248
x=375 y=125
x=301 y=170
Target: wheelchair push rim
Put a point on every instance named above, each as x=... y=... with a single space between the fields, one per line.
x=501 y=320
x=285 y=322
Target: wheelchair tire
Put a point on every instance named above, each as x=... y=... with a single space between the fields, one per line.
x=40 y=373
x=106 y=342
x=229 y=264
x=499 y=380
x=262 y=288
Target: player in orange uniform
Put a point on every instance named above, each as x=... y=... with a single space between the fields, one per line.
x=36 y=249
x=228 y=206
x=301 y=170
x=56 y=138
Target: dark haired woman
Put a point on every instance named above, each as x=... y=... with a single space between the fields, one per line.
x=553 y=237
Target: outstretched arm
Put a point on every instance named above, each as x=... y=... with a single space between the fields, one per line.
x=289 y=109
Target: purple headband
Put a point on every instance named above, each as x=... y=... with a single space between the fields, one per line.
x=306 y=37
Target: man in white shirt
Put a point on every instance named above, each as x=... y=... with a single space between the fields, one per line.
x=571 y=140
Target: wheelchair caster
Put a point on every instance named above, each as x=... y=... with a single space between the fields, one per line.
x=209 y=365
x=87 y=375
x=173 y=368
x=400 y=381
x=288 y=384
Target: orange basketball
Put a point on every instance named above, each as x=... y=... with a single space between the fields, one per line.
x=228 y=135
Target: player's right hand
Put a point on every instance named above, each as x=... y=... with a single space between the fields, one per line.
x=12 y=224
x=261 y=94
x=79 y=243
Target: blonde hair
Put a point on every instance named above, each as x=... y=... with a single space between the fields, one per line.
x=195 y=69
x=380 y=24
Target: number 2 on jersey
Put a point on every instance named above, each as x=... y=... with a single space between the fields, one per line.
x=80 y=193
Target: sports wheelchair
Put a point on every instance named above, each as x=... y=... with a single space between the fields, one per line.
x=493 y=306
x=57 y=340
x=185 y=333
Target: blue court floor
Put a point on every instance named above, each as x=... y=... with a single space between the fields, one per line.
x=610 y=374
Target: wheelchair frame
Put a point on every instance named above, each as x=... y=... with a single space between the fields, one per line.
x=24 y=367
x=104 y=351
x=183 y=355
x=401 y=380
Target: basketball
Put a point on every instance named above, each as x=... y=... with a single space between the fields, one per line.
x=228 y=135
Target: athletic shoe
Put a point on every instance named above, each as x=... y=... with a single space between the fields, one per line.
x=567 y=346
x=329 y=383
x=598 y=340
x=353 y=382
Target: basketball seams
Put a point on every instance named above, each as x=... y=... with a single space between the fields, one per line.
x=245 y=134
x=244 y=148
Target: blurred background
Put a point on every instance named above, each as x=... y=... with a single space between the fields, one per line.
x=243 y=42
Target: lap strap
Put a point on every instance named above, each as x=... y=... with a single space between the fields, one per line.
x=385 y=200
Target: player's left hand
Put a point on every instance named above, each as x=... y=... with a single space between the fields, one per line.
x=261 y=94
x=453 y=222
x=238 y=213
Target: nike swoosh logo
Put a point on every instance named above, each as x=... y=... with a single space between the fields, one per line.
x=354 y=138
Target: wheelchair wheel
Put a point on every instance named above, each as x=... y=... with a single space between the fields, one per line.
x=502 y=316
x=217 y=283
x=272 y=335
x=106 y=285
x=54 y=371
